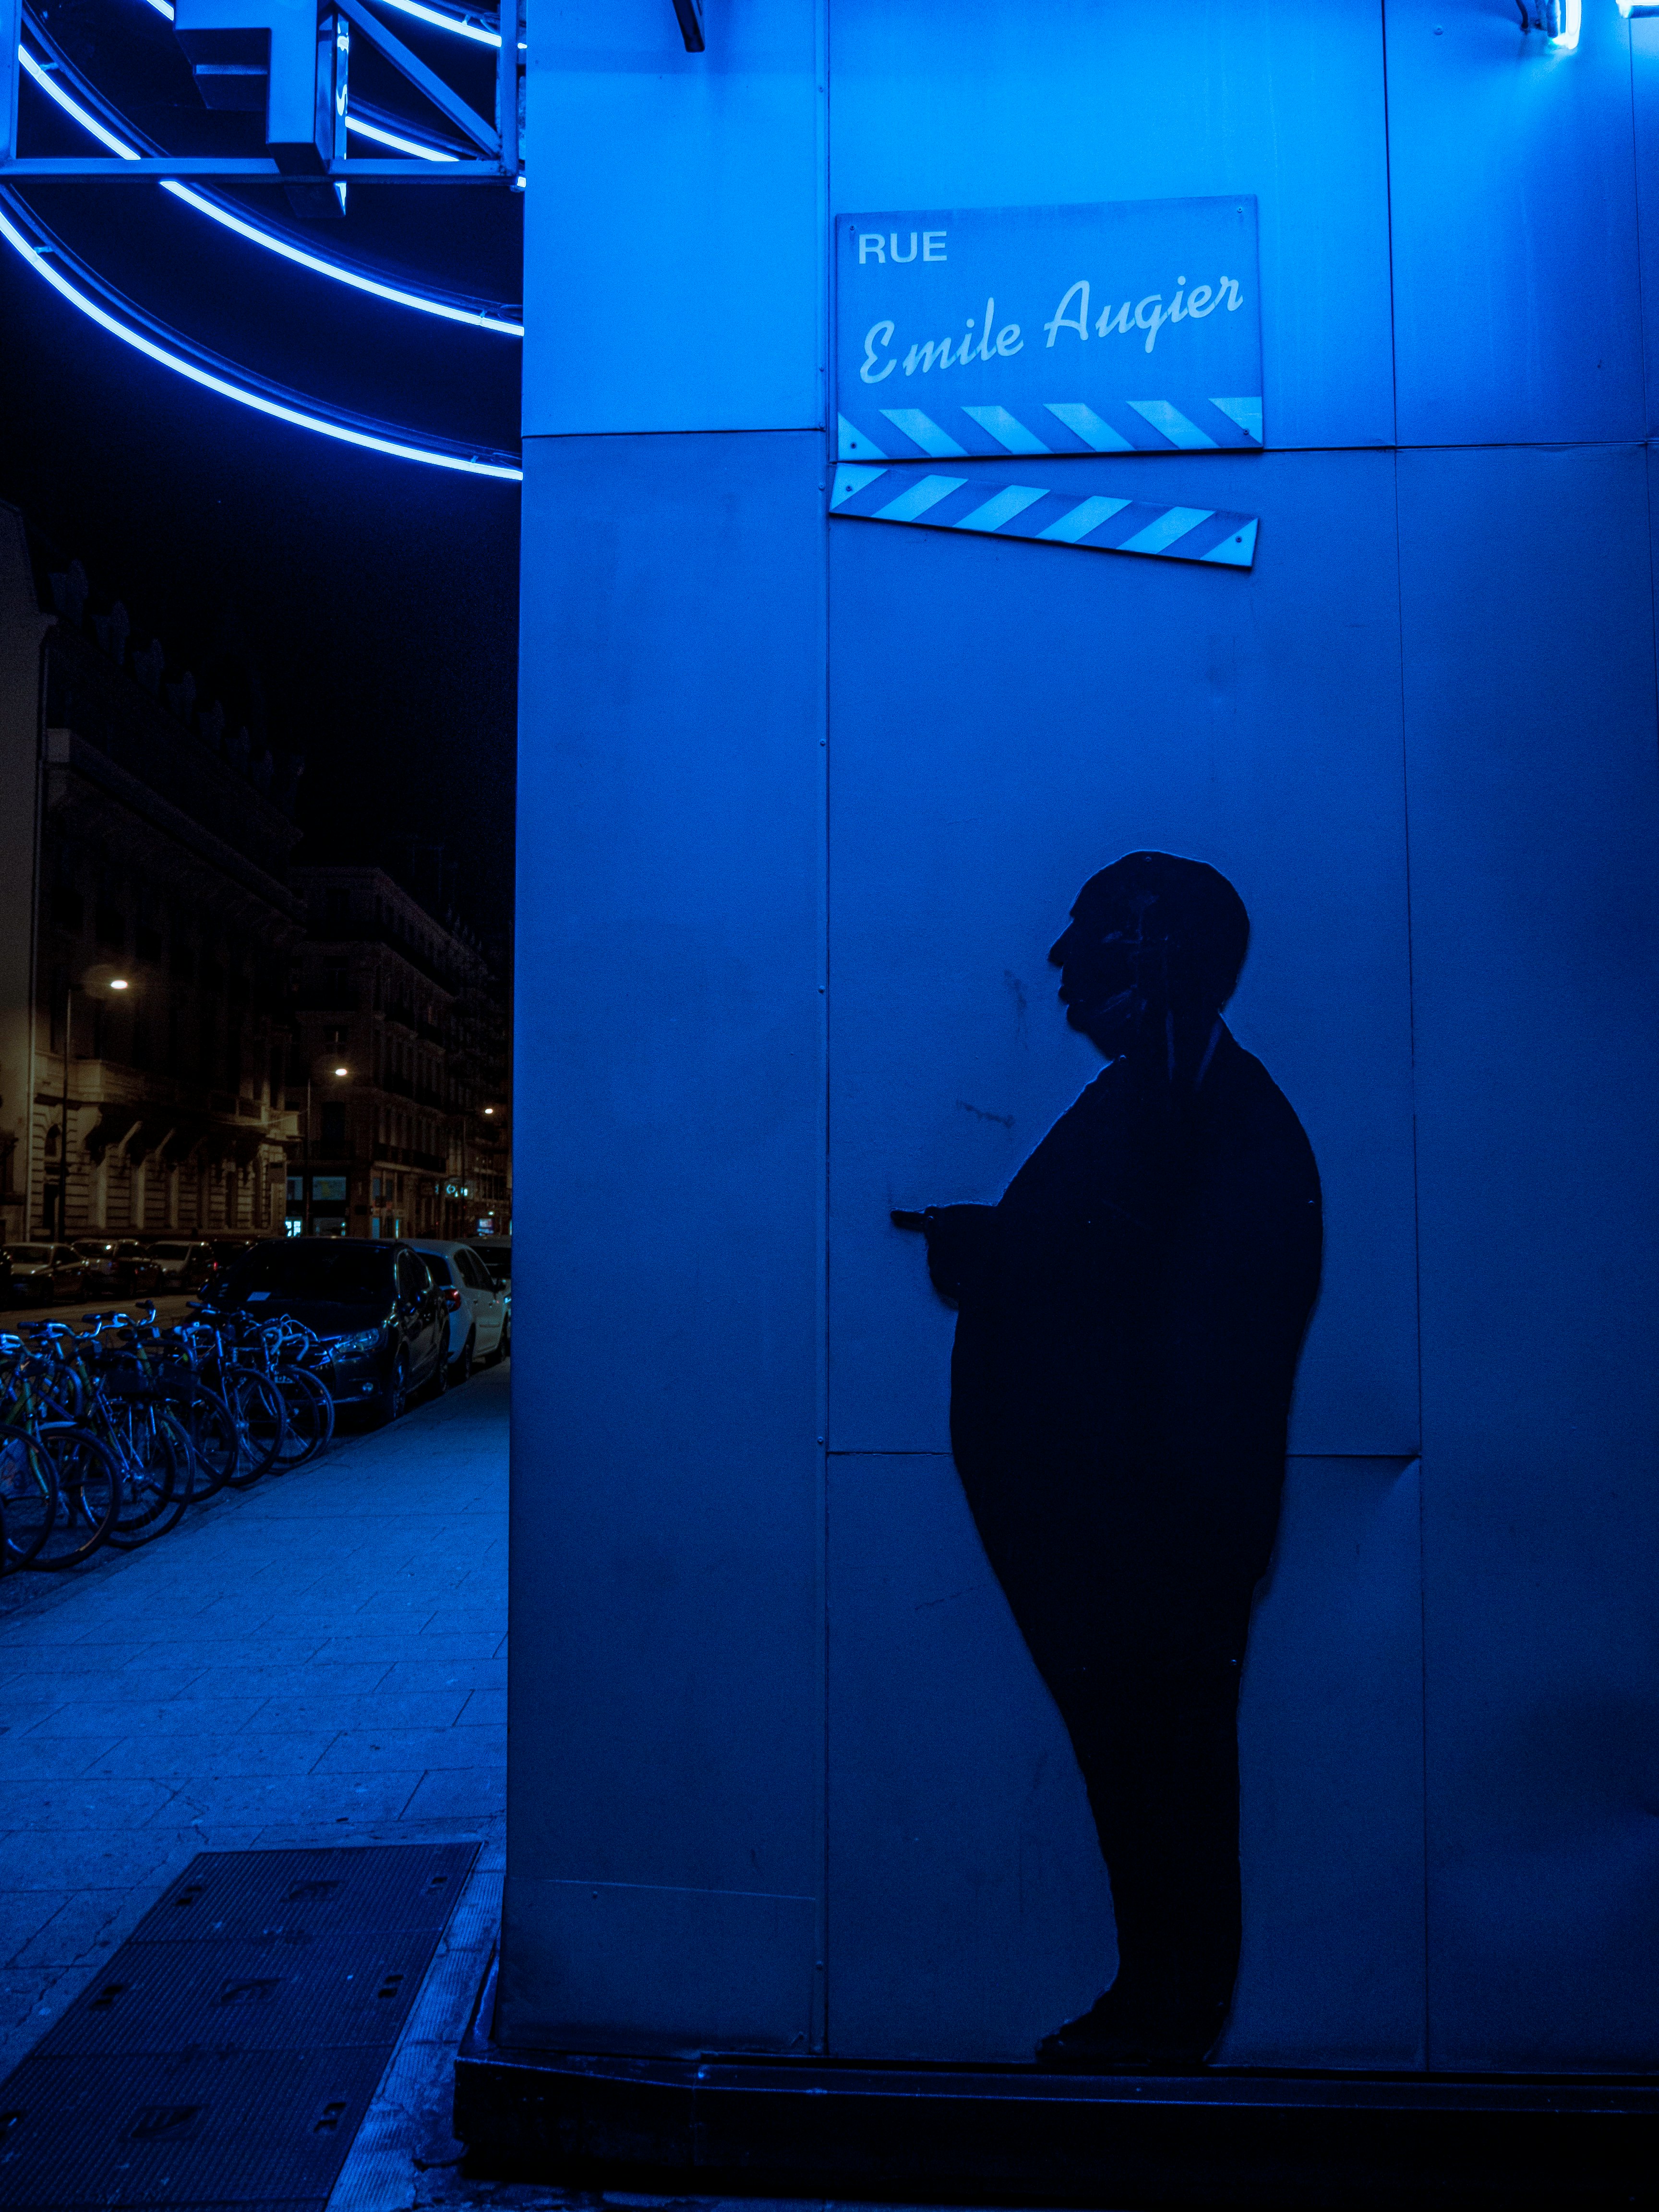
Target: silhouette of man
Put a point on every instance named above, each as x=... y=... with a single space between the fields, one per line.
x=1130 y=1318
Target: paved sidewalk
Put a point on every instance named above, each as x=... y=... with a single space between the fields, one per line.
x=319 y=1661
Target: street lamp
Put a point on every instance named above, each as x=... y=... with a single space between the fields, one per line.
x=328 y=1069
x=103 y=980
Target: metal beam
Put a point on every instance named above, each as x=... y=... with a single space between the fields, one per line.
x=443 y=98
x=11 y=28
x=206 y=168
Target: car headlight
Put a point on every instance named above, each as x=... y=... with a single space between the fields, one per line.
x=355 y=1345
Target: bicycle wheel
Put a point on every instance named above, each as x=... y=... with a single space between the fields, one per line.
x=258 y=1405
x=214 y=1434
x=28 y=1494
x=310 y=1412
x=89 y=1478
x=325 y=1401
x=157 y=1472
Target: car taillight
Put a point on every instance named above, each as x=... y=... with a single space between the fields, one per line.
x=453 y=1299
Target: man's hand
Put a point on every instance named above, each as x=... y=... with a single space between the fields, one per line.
x=958 y=1244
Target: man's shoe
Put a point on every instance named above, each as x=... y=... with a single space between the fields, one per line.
x=1119 y=2038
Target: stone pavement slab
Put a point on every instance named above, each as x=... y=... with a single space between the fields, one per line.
x=298 y=1664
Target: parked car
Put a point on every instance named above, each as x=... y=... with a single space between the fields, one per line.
x=496 y=1254
x=223 y=1252
x=117 y=1263
x=480 y=1320
x=373 y=1302
x=41 y=1274
x=183 y=1266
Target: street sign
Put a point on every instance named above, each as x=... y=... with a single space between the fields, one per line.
x=1131 y=327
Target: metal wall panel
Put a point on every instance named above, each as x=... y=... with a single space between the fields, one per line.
x=674 y=224
x=1513 y=193
x=970 y=1911
x=1644 y=105
x=1535 y=811
x=664 y=1695
x=1103 y=99
x=1005 y=720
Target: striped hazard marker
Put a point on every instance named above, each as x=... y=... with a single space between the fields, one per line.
x=1099 y=524
x=946 y=432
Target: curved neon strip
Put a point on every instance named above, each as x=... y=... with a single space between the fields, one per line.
x=450 y=23
x=461 y=30
x=73 y=108
x=424 y=303
x=401 y=145
x=37 y=259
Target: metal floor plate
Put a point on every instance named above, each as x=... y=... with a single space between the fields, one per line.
x=340 y=1992
x=388 y=1888
x=226 y=2055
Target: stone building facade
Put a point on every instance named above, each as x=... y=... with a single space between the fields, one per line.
x=412 y=1139
x=146 y=929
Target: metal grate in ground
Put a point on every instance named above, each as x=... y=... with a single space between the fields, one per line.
x=228 y=2053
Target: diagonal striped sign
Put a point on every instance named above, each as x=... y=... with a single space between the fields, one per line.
x=1099 y=524
x=944 y=432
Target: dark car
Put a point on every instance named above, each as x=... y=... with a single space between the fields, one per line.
x=116 y=1263
x=371 y=1301
x=43 y=1272
x=185 y=1263
x=222 y=1254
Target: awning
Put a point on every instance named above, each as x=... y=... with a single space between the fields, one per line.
x=188 y=1133
x=153 y=1131
x=114 y=1123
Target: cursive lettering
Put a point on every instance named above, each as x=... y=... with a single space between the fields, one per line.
x=925 y=354
x=878 y=333
x=1059 y=320
x=1160 y=315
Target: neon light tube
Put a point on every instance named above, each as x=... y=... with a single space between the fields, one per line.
x=42 y=260
x=273 y=242
x=461 y=30
x=401 y=145
x=73 y=108
x=373 y=285
x=456 y=26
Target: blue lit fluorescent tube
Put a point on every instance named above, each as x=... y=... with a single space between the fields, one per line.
x=222 y=212
x=49 y=258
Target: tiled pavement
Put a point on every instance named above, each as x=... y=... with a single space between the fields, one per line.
x=319 y=1661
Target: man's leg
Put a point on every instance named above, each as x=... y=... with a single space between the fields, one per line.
x=1158 y=1748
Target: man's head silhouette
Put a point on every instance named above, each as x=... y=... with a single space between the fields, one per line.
x=1151 y=955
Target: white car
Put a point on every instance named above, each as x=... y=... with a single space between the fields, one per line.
x=480 y=1317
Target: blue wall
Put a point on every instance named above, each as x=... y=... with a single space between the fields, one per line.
x=803 y=804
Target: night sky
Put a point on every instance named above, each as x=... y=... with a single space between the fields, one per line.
x=364 y=608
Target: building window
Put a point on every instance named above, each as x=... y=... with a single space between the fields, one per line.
x=111 y=927
x=68 y=909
